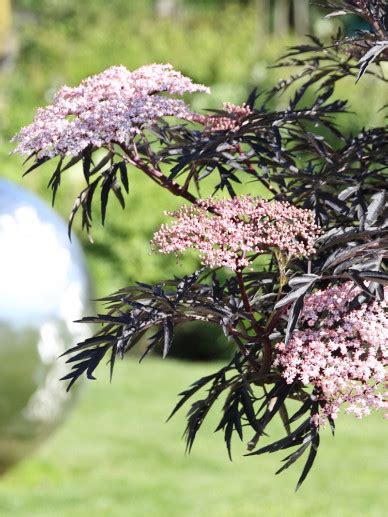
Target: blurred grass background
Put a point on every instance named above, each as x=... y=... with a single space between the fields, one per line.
x=116 y=456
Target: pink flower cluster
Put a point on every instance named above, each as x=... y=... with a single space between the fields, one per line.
x=219 y=123
x=341 y=352
x=108 y=107
x=231 y=232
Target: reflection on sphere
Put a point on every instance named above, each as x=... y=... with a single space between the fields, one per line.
x=44 y=288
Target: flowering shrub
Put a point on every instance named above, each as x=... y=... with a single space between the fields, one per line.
x=233 y=232
x=107 y=108
x=310 y=325
x=340 y=351
x=235 y=118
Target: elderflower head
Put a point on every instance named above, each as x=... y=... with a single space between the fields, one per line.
x=231 y=232
x=108 y=107
x=342 y=352
x=220 y=123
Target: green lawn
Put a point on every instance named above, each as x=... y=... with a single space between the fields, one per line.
x=116 y=456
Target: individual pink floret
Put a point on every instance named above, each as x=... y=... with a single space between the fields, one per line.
x=108 y=107
x=339 y=351
x=231 y=232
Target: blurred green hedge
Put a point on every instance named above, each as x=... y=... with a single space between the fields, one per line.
x=199 y=341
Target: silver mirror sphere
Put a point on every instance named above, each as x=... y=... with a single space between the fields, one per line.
x=44 y=288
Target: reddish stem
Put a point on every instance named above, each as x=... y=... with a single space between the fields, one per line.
x=157 y=176
x=244 y=296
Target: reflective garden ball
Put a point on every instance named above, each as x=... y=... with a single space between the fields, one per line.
x=44 y=288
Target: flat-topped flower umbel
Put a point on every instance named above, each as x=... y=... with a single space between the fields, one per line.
x=236 y=117
x=341 y=352
x=231 y=232
x=108 y=107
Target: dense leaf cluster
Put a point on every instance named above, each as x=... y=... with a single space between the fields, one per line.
x=298 y=154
